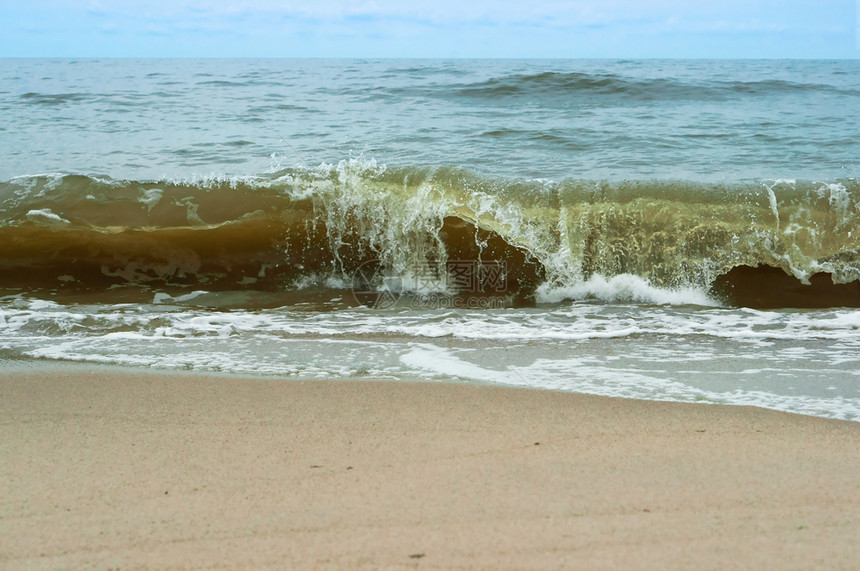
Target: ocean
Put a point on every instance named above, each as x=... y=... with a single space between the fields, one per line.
x=651 y=229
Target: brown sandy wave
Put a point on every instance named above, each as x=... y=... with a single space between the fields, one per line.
x=778 y=244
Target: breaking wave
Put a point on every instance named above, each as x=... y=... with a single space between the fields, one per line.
x=769 y=243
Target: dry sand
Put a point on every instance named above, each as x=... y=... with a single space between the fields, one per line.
x=107 y=468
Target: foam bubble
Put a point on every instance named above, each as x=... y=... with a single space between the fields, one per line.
x=441 y=362
x=46 y=215
x=624 y=288
x=151 y=198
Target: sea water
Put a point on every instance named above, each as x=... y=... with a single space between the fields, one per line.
x=673 y=230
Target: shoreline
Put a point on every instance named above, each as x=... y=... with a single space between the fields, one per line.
x=111 y=467
x=19 y=365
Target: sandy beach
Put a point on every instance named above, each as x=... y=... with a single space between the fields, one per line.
x=109 y=468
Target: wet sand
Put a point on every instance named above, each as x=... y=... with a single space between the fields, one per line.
x=108 y=468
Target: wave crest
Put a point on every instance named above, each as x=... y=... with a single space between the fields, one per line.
x=651 y=241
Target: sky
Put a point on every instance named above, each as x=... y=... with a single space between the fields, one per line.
x=431 y=28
